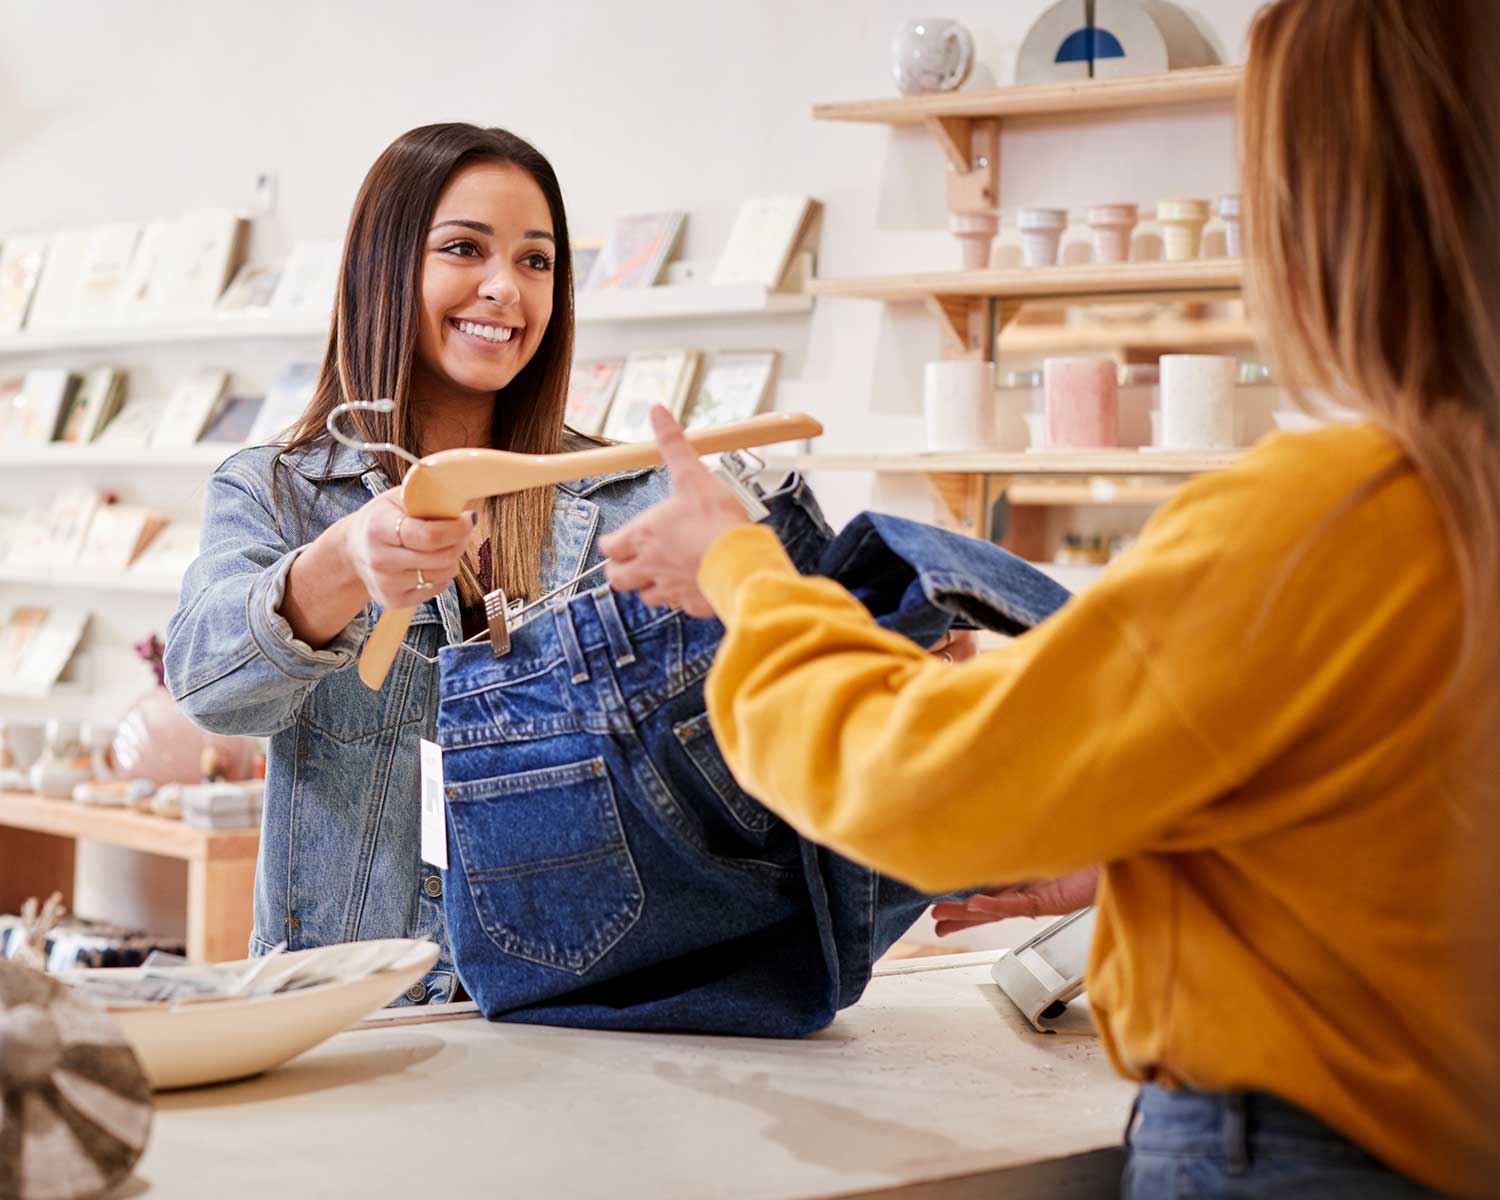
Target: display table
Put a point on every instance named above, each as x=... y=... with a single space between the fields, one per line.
x=933 y=1086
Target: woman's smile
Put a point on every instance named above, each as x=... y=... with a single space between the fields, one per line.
x=488 y=337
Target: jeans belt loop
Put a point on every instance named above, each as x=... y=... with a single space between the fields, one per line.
x=567 y=634
x=1236 y=1135
x=620 y=648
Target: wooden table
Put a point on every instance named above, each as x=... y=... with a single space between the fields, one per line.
x=37 y=846
x=932 y=1087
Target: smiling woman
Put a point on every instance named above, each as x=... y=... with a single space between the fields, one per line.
x=455 y=301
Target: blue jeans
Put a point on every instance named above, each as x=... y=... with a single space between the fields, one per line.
x=1246 y=1146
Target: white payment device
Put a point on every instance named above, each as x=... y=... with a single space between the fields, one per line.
x=1043 y=973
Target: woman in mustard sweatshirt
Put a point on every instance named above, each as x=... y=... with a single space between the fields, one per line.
x=1273 y=724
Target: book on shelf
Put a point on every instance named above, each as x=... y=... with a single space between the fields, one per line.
x=591 y=387
x=41 y=408
x=637 y=248
x=134 y=425
x=144 y=286
x=57 y=289
x=249 y=292
x=734 y=387
x=117 y=535
x=585 y=255
x=21 y=261
x=98 y=400
x=766 y=234
x=35 y=646
x=170 y=552
x=233 y=420
x=106 y=264
x=285 y=403
x=206 y=252
x=66 y=525
x=189 y=408
x=309 y=281
x=650 y=377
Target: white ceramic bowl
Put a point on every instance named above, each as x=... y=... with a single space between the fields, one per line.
x=185 y=1045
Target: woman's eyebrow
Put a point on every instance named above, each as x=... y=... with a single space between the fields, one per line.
x=488 y=231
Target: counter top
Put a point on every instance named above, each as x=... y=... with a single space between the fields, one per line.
x=932 y=1086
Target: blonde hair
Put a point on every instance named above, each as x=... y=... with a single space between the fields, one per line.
x=1372 y=216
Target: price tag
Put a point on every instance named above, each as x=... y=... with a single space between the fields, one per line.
x=434 y=808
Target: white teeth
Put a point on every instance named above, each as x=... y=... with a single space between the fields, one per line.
x=491 y=333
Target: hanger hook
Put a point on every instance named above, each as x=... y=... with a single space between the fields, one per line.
x=380 y=406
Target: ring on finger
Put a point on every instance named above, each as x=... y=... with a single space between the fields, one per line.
x=422 y=582
x=399 y=542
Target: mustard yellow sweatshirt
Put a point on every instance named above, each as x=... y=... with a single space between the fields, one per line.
x=1238 y=720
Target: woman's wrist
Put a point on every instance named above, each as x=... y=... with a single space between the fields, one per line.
x=323 y=591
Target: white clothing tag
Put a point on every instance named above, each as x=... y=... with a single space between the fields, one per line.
x=434 y=809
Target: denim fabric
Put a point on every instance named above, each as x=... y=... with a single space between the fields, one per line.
x=606 y=870
x=339 y=853
x=1244 y=1147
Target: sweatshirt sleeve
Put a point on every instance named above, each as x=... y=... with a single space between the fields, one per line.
x=1058 y=750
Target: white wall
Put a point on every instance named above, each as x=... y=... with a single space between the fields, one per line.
x=130 y=110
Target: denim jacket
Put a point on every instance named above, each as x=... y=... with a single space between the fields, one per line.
x=340 y=843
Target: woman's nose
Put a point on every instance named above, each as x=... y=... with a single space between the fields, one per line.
x=500 y=288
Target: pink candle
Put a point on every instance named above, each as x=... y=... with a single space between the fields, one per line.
x=1083 y=402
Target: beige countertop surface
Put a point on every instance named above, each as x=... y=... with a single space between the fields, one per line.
x=933 y=1086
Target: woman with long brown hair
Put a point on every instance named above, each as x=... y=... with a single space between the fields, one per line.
x=1271 y=728
x=455 y=301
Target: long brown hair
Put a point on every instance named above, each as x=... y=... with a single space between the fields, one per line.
x=1372 y=211
x=372 y=342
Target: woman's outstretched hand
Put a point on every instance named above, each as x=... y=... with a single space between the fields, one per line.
x=658 y=553
x=1034 y=898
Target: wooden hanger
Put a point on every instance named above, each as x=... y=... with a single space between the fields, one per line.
x=443 y=485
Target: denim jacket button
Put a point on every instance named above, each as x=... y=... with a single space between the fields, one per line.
x=433 y=886
x=417 y=992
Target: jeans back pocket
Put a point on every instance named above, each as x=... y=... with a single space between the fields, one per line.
x=697 y=740
x=544 y=858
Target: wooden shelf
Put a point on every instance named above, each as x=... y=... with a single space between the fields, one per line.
x=209 y=329
x=1088 y=494
x=74 y=579
x=125 y=827
x=37 y=837
x=61 y=454
x=1197 y=86
x=1082 y=462
x=686 y=303
x=1078 y=283
x=1163 y=336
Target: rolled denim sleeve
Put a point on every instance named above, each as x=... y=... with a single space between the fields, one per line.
x=233 y=664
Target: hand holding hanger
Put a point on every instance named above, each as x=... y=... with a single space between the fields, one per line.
x=441 y=484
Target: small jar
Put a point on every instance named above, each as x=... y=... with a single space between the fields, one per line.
x=958 y=406
x=1018 y=399
x=1083 y=403
x=975 y=232
x=1183 y=221
x=1041 y=234
x=1229 y=213
x=1138 y=397
x=1197 y=401
x=1112 y=225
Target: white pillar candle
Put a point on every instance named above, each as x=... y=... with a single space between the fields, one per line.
x=958 y=403
x=1197 y=401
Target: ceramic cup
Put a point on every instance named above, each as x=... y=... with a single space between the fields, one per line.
x=1082 y=403
x=975 y=232
x=1111 y=225
x=1229 y=212
x=1041 y=234
x=1197 y=402
x=1182 y=222
x=958 y=404
x=931 y=55
x=1017 y=400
